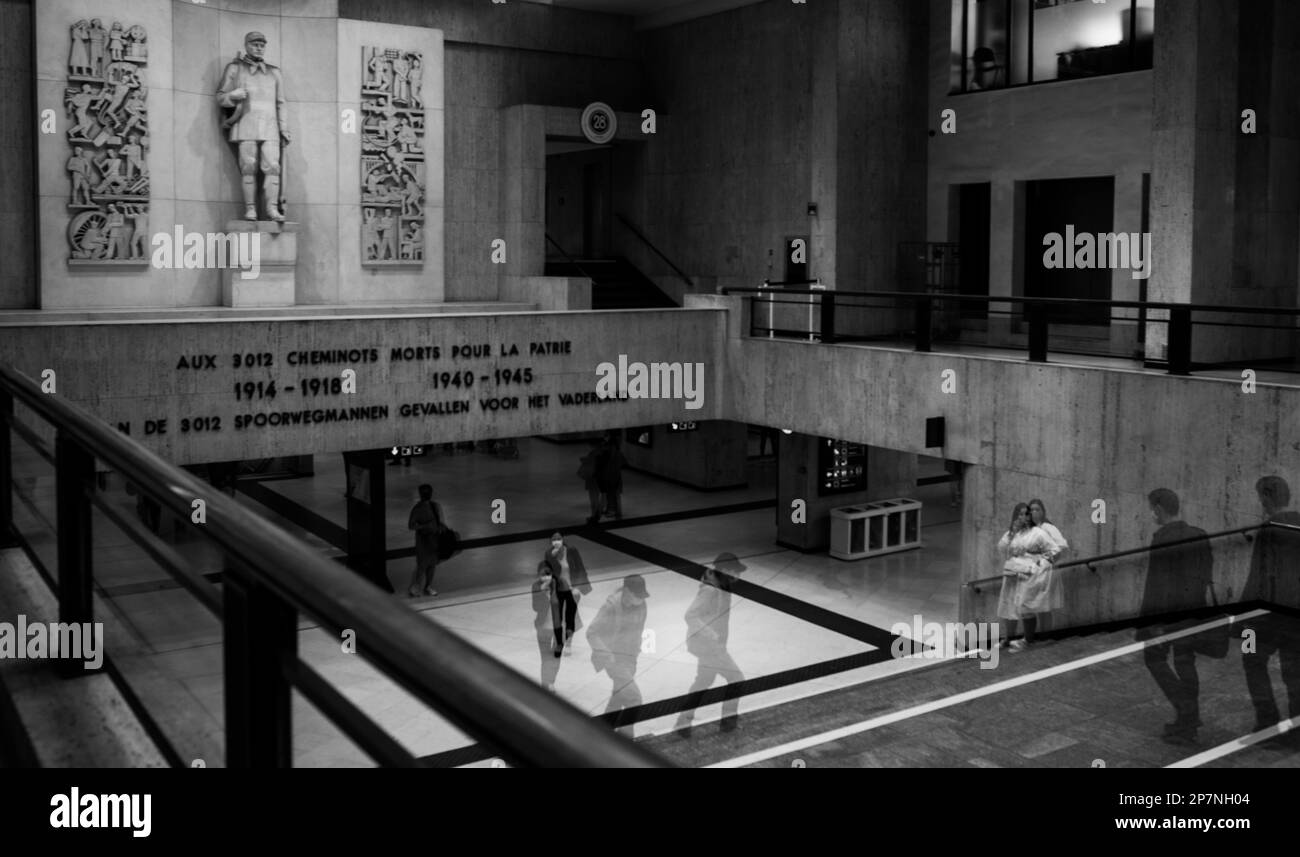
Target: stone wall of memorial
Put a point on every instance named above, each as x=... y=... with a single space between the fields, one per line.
x=139 y=187
x=215 y=390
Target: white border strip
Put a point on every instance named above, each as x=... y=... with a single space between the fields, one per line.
x=1237 y=744
x=939 y=704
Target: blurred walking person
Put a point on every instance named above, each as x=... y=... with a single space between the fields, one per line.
x=1178 y=578
x=568 y=576
x=615 y=639
x=708 y=621
x=1274 y=577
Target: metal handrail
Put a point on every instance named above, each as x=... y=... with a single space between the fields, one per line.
x=1089 y=562
x=1021 y=299
x=1179 y=324
x=480 y=695
x=572 y=261
x=656 y=250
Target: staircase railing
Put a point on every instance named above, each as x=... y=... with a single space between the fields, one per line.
x=572 y=261
x=644 y=240
x=1091 y=561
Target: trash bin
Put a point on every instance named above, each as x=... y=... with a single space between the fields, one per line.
x=871 y=529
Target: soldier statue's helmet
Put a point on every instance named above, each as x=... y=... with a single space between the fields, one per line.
x=254 y=37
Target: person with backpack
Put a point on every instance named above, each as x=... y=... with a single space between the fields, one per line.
x=426 y=520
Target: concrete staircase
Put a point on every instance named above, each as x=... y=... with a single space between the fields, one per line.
x=616 y=283
x=1082 y=700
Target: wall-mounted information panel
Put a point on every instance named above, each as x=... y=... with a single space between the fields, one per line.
x=842 y=467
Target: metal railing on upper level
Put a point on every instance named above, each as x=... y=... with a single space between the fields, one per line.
x=269 y=578
x=915 y=315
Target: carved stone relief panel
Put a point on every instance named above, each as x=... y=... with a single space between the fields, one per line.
x=392 y=157
x=106 y=102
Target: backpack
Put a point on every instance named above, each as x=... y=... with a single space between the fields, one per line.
x=448 y=539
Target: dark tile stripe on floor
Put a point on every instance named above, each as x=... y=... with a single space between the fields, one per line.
x=589 y=531
x=686 y=702
x=297 y=513
x=844 y=625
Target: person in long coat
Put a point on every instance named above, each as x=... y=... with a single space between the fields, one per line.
x=708 y=627
x=563 y=564
x=615 y=639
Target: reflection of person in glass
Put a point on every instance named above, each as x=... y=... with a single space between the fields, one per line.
x=1274 y=577
x=707 y=628
x=615 y=640
x=542 y=612
x=1177 y=579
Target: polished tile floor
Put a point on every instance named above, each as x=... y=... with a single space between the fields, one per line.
x=799 y=624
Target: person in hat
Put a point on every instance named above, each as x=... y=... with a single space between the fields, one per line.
x=707 y=627
x=615 y=639
x=252 y=89
x=568 y=576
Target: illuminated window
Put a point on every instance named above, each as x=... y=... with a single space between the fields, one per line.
x=1000 y=43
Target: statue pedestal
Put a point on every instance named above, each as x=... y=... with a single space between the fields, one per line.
x=273 y=247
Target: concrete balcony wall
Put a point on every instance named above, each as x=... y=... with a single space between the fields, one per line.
x=1073 y=436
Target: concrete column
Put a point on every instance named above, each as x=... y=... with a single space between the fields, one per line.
x=523 y=190
x=1128 y=220
x=18 y=221
x=1006 y=249
x=822 y=145
x=367 y=521
x=1224 y=203
x=881 y=133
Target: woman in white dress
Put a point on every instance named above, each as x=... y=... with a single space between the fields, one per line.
x=1038 y=514
x=1027 y=552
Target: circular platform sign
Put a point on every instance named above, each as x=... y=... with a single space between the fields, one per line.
x=599 y=125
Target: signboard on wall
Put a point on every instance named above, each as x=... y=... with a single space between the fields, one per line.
x=842 y=467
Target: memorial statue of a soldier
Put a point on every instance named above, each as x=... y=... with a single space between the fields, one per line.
x=253 y=90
